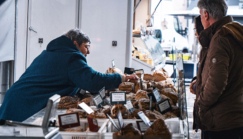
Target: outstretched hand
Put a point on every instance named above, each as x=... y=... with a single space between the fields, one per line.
x=131 y=77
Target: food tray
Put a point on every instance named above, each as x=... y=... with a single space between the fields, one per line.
x=173 y=125
x=102 y=123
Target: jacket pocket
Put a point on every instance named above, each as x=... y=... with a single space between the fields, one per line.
x=207 y=119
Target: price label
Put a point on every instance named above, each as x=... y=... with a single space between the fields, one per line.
x=141 y=126
x=113 y=64
x=144 y=118
x=107 y=101
x=98 y=101
x=155 y=95
x=129 y=70
x=68 y=120
x=86 y=108
x=102 y=93
x=120 y=119
x=118 y=98
x=129 y=106
x=112 y=121
x=139 y=71
x=164 y=106
x=141 y=81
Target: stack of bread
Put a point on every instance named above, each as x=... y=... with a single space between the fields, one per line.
x=139 y=98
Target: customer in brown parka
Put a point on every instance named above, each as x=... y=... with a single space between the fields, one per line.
x=218 y=106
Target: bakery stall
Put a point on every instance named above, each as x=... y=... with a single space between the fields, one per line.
x=151 y=107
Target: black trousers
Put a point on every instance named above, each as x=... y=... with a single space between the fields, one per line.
x=226 y=134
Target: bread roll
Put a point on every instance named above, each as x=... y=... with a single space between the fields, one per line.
x=126 y=86
x=158 y=77
x=141 y=94
x=148 y=77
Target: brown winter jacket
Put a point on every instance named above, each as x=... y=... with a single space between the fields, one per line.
x=219 y=94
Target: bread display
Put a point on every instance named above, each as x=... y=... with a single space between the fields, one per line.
x=114 y=70
x=158 y=77
x=68 y=102
x=141 y=94
x=158 y=128
x=115 y=109
x=126 y=86
x=148 y=77
x=81 y=113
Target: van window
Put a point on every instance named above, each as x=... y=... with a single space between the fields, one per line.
x=176 y=25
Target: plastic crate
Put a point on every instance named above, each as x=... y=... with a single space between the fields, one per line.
x=173 y=125
x=102 y=123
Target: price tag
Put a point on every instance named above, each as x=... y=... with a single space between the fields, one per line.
x=102 y=93
x=118 y=98
x=141 y=81
x=68 y=120
x=129 y=70
x=144 y=118
x=141 y=126
x=164 y=106
x=129 y=106
x=112 y=121
x=86 y=108
x=155 y=95
x=139 y=71
x=98 y=101
x=113 y=64
x=120 y=119
x=93 y=124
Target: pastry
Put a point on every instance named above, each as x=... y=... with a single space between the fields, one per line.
x=148 y=77
x=126 y=86
x=130 y=96
x=145 y=104
x=129 y=130
x=81 y=113
x=68 y=102
x=115 y=109
x=158 y=77
x=141 y=94
x=114 y=70
x=86 y=101
x=158 y=128
x=137 y=87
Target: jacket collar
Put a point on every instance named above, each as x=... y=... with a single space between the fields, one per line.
x=207 y=34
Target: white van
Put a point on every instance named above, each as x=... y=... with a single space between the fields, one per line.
x=172 y=33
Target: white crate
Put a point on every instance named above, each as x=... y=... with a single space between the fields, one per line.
x=102 y=123
x=173 y=125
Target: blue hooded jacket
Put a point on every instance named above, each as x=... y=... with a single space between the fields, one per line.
x=60 y=69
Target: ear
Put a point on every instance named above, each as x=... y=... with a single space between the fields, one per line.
x=75 y=43
x=206 y=15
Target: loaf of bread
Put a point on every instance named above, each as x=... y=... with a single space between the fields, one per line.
x=163 y=84
x=130 y=96
x=106 y=109
x=68 y=102
x=145 y=104
x=150 y=114
x=137 y=87
x=148 y=77
x=170 y=94
x=97 y=114
x=158 y=77
x=115 y=109
x=86 y=101
x=81 y=113
x=114 y=70
x=126 y=86
x=141 y=94
x=165 y=97
x=129 y=130
x=158 y=128
x=133 y=81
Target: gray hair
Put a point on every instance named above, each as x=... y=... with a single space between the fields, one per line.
x=216 y=8
x=78 y=36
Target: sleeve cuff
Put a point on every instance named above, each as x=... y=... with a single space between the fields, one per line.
x=123 y=78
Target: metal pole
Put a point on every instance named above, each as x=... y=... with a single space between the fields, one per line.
x=5 y=72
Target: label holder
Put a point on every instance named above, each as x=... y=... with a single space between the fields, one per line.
x=70 y=123
x=155 y=95
x=165 y=106
x=112 y=94
x=112 y=121
x=102 y=93
x=98 y=97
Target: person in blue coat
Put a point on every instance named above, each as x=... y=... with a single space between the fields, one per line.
x=60 y=69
